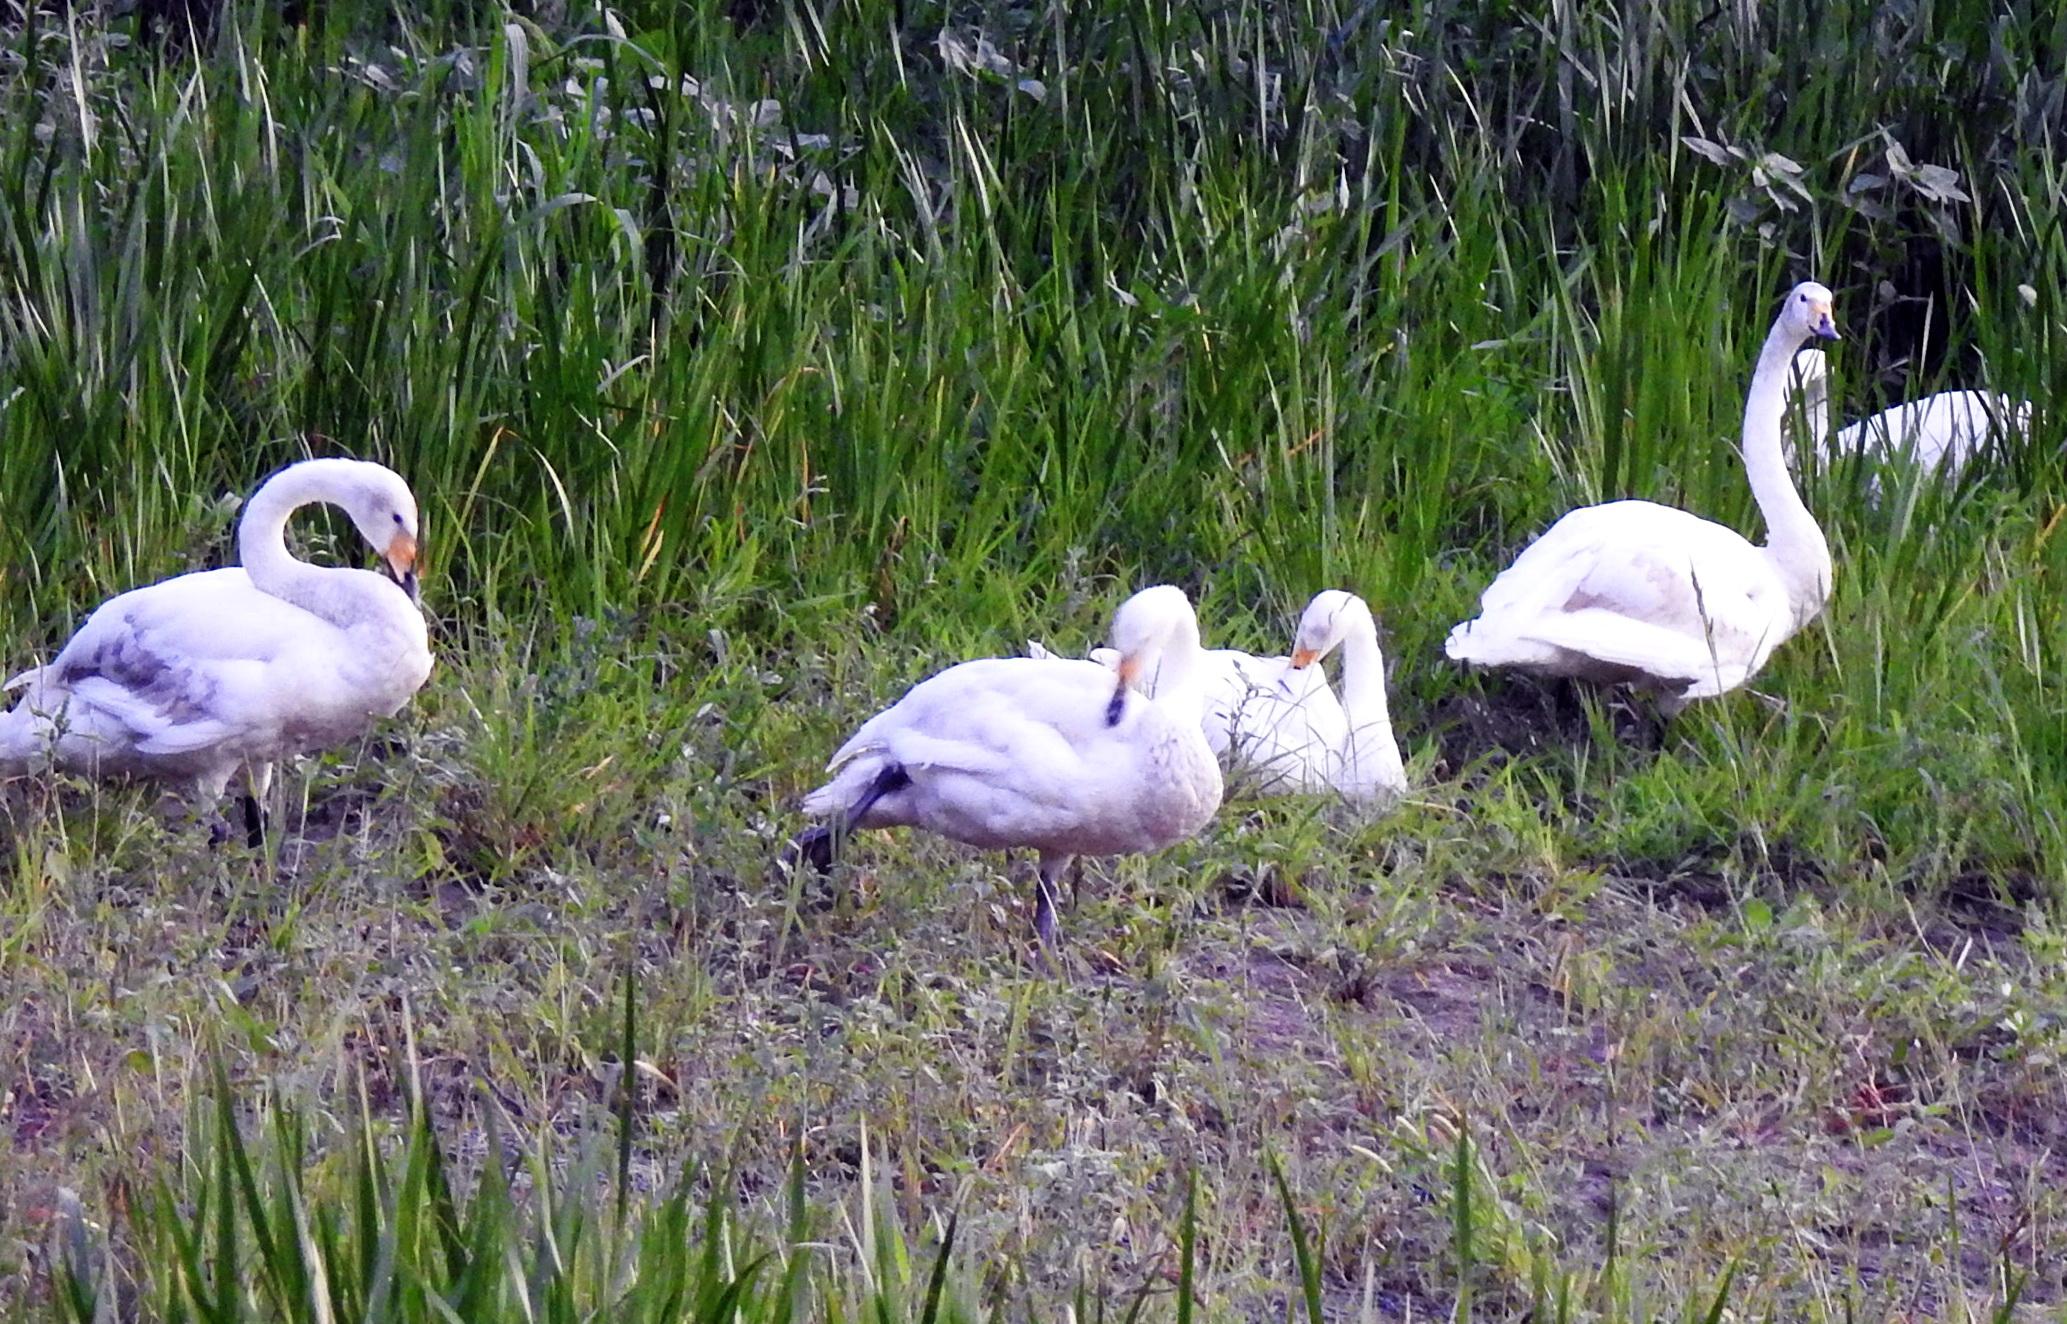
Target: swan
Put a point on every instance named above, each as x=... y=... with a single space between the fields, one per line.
x=1351 y=749
x=1064 y=757
x=1274 y=719
x=202 y=675
x=1940 y=431
x=1639 y=592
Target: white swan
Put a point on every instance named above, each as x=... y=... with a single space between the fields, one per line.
x=1350 y=748
x=1060 y=756
x=1944 y=430
x=1274 y=721
x=1635 y=591
x=196 y=677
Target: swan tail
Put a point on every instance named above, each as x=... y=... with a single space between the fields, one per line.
x=1477 y=642
x=26 y=729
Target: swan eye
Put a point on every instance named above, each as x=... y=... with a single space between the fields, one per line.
x=398 y=518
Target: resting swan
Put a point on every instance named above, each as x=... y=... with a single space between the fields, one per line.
x=1636 y=591
x=1944 y=430
x=1060 y=756
x=1350 y=748
x=201 y=675
x=1274 y=721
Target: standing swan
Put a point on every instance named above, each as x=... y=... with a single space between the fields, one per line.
x=197 y=676
x=1941 y=431
x=1057 y=755
x=1636 y=591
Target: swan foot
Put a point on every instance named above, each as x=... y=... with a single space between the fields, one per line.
x=816 y=846
x=820 y=844
x=254 y=823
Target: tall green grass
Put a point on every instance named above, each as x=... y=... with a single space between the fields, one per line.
x=900 y=293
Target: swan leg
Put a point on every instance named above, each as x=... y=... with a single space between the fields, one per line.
x=1045 y=895
x=258 y=778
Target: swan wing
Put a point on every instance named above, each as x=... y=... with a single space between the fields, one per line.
x=1267 y=714
x=997 y=751
x=1634 y=587
x=183 y=664
x=971 y=714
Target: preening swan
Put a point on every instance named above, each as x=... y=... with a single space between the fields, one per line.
x=1067 y=758
x=1636 y=591
x=1940 y=431
x=196 y=677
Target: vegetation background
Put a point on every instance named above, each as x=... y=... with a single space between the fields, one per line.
x=752 y=360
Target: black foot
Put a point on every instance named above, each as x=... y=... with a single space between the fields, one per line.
x=815 y=846
x=254 y=823
x=218 y=831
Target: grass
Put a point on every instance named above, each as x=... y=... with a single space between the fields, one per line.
x=751 y=361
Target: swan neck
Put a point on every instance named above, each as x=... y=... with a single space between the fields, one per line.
x=1363 y=675
x=1794 y=542
x=262 y=548
x=1179 y=672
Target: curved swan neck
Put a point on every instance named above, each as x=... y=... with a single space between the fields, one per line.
x=1793 y=540
x=1371 y=757
x=262 y=543
x=1178 y=672
x=1363 y=674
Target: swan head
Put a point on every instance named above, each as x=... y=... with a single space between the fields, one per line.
x=1808 y=312
x=1327 y=621
x=384 y=510
x=1144 y=627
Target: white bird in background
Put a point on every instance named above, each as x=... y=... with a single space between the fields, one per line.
x=1064 y=757
x=1940 y=431
x=1635 y=591
x=196 y=677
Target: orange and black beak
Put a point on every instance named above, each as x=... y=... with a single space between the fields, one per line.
x=1826 y=323
x=1302 y=658
x=1127 y=670
x=399 y=560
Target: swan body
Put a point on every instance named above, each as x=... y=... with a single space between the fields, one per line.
x=202 y=675
x=1634 y=591
x=1063 y=757
x=1940 y=431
